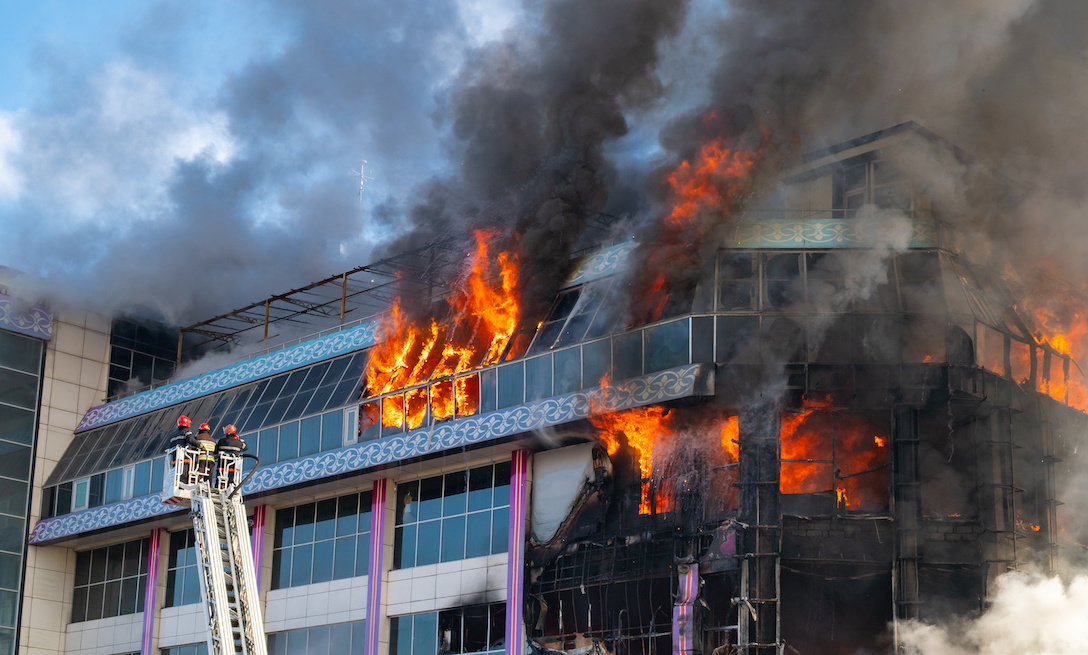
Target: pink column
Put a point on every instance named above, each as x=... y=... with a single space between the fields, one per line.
x=256 y=541
x=375 y=589
x=256 y=537
x=150 y=596
x=515 y=564
x=683 y=611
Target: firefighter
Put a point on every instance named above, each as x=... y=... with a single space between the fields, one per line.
x=183 y=437
x=206 y=445
x=229 y=444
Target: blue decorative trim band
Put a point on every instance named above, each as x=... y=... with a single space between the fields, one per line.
x=823 y=233
x=600 y=264
x=32 y=320
x=680 y=382
x=96 y=518
x=304 y=354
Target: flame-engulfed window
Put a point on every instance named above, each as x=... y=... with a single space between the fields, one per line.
x=840 y=454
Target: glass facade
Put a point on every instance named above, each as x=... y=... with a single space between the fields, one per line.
x=110 y=581
x=189 y=649
x=183 y=571
x=141 y=354
x=293 y=414
x=339 y=639
x=20 y=381
x=474 y=629
x=322 y=541
x=453 y=516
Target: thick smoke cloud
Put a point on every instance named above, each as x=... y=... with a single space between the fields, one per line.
x=530 y=118
x=1030 y=613
x=1004 y=81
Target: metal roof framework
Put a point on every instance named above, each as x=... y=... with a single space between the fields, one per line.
x=348 y=297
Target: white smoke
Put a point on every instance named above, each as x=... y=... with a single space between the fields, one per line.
x=1030 y=614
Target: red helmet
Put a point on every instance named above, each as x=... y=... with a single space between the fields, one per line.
x=204 y=427
x=230 y=431
x=184 y=422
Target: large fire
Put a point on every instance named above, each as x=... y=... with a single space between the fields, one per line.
x=483 y=314
x=713 y=180
x=824 y=450
x=1070 y=338
x=643 y=429
x=640 y=427
x=698 y=193
x=1064 y=341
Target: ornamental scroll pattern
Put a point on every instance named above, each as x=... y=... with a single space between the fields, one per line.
x=303 y=354
x=600 y=264
x=823 y=233
x=31 y=320
x=680 y=382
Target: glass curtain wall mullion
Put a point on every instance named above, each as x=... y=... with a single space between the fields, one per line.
x=336 y=639
x=200 y=648
x=183 y=570
x=146 y=437
x=110 y=581
x=456 y=516
x=478 y=629
x=322 y=541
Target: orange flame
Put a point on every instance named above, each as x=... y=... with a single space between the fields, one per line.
x=1068 y=337
x=698 y=192
x=484 y=309
x=731 y=437
x=640 y=427
x=840 y=451
x=1025 y=525
x=713 y=180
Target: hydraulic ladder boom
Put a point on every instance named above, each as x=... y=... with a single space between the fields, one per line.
x=228 y=581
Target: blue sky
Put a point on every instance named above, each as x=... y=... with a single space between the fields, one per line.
x=130 y=129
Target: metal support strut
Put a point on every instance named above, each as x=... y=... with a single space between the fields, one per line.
x=228 y=581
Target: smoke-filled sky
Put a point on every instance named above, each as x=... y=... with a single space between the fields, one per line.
x=191 y=157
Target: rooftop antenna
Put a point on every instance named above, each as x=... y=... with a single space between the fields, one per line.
x=363 y=177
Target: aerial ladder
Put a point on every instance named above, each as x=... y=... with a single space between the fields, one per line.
x=228 y=581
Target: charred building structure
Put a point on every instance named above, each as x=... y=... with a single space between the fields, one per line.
x=843 y=424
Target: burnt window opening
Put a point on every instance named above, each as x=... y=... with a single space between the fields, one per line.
x=921 y=288
x=472 y=629
x=629 y=616
x=782 y=281
x=577 y=315
x=948 y=460
x=840 y=460
x=832 y=608
x=864 y=180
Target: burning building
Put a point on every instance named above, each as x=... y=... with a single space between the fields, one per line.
x=820 y=419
